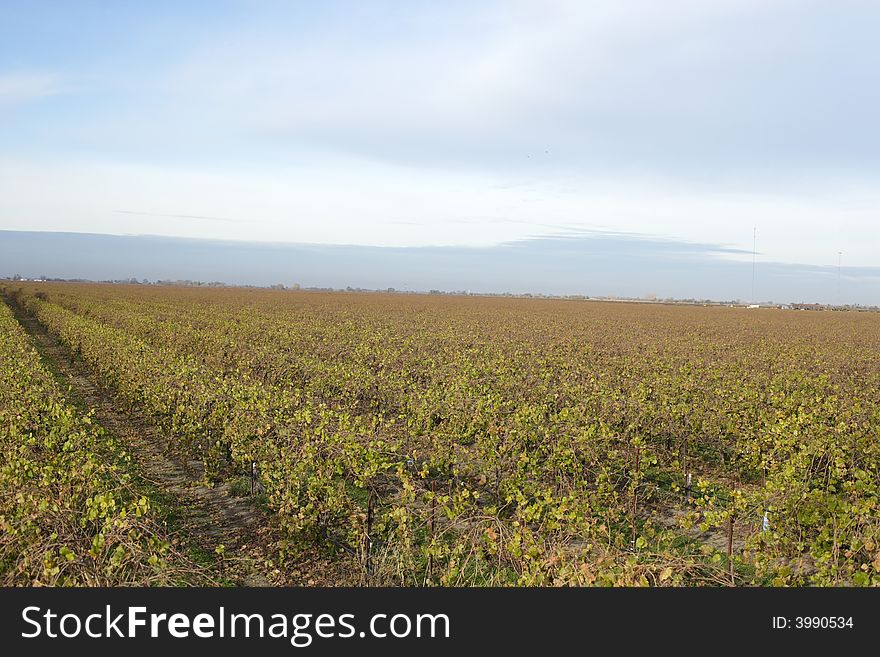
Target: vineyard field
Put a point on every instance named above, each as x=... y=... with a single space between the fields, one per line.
x=72 y=511
x=428 y=440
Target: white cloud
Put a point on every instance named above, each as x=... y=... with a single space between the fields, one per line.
x=480 y=73
x=21 y=88
x=743 y=88
x=342 y=202
x=476 y=124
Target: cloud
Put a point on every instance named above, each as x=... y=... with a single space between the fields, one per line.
x=177 y=216
x=340 y=202
x=464 y=124
x=590 y=264
x=696 y=89
x=22 y=88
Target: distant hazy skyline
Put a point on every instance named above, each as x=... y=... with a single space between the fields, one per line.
x=455 y=124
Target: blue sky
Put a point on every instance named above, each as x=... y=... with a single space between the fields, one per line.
x=450 y=124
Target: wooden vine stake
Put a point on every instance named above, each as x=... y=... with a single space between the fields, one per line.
x=368 y=540
x=684 y=467
x=635 y=497
x=730 y=525
x=431 y=533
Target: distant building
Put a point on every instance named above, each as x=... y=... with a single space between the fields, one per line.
x=807 y=306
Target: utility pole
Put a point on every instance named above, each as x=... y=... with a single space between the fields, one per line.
x=839 y=260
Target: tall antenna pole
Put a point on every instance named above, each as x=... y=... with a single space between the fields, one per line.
x=839 y=259
x=754 y=259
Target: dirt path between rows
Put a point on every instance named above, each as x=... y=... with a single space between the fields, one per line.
x=208 y=516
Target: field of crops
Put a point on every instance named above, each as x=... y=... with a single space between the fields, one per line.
x=70 y=512
x=462 y=441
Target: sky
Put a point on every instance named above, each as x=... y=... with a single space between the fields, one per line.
x=456 y=125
